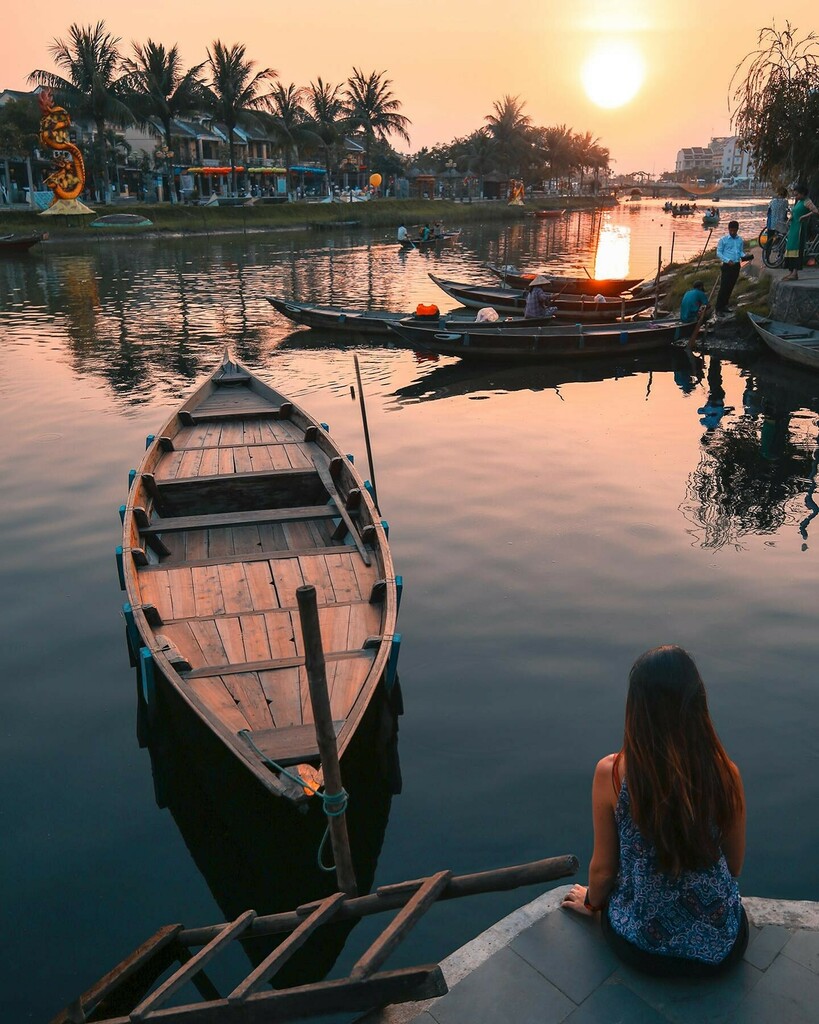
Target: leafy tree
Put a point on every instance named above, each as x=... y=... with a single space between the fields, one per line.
x=162 y=89
x=373 y=109
x=289 y=123
x=233 y=93
x=776 y=103
x=558 y=150
x=19 y=127
x=325 y=104
x=510 y=130
x=94 y=85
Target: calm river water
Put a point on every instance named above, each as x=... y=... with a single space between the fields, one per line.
x=550 y=524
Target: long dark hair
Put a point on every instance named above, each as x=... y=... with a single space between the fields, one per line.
x=683 y=789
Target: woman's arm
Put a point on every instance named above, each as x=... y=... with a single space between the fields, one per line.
x=733 y=841
x=606 y=856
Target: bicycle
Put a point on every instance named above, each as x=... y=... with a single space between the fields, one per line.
x=773 y=245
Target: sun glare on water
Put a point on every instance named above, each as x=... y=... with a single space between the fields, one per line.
x=613 y=73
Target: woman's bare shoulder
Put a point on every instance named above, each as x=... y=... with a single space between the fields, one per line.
x=605 y=766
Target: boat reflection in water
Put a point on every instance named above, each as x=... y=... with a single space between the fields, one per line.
x=757 y=469
x=260 y=853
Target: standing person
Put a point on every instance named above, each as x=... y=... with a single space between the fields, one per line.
x=777 y=222
x=693 y=301
x=403 y=234
x=538 y=298
x=669 y=830
x=797 y=232
x=731 y=254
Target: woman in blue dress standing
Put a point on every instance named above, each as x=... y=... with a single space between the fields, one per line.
x=669 y=830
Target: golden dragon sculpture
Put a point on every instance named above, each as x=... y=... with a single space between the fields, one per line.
x=67 y=180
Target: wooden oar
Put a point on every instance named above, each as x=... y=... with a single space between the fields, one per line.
x=707 y=240
x=326 y=477
x=701 y=318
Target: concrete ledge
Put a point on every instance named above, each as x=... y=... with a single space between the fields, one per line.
x=791 y=914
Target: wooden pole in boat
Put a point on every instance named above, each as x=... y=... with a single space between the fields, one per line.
x=657 y=283
x=673 y=239
x=366 y=429
x=325 y=734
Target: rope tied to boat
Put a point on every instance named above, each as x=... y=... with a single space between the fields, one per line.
x=333 y=804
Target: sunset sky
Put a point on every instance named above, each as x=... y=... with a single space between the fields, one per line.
x=449 y=61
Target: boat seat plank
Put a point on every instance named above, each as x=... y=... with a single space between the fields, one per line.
x=243 y=461
x=236 y=413
x=235 y=589
x=247 y=691
x=282 y=689
x=212 y=693
x=206 y=588
x=210 y=638
x=254 y=637
x=271 y=515
x=295 y=744
x=208 y=466
x=298 y=534
x=183 y=598
x=229 y=629
x=280 y=430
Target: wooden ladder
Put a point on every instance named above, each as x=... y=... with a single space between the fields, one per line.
x=133 y=982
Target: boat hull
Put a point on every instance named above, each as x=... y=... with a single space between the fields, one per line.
x=513 y=301
x=239 y=500
x=562 y=284
x=790 y=341
x=16 y=245
x=547 y=344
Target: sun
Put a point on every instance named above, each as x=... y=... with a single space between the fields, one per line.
x=613 y=73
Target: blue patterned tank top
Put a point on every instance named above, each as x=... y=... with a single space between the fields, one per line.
x=695 y=916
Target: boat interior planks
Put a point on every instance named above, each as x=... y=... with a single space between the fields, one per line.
x=239 y=501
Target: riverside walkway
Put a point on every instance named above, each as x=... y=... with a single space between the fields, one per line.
x=544 y=965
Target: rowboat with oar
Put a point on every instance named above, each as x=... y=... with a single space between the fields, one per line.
x=239 y=500
x=501 y=343
x=515 y=278
x=369 y=322
x=578 y=308
x=792 y=342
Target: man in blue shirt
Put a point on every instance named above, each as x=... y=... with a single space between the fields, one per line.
x=693 y=301
x=730 y=253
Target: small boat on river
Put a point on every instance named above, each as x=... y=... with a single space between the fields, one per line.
x=371 y=322
x=16 y=245
x=122 y=220
x=502 y=343
x=549 y=214
x=792 y=342
x=416 y=243
x=561 y=283
x=582 y=308
x=239 y=500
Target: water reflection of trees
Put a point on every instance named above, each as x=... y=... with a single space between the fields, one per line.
x=753 y=468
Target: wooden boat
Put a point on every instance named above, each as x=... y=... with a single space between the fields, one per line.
x=585 y=308
x=447 y=236
x=368 y=322
x=241 y=499
x=546 y=344
x=792 y=342
x=710 y=221
x=122 y=220
x=549 y=214
x=515 y=278
x=15 y=245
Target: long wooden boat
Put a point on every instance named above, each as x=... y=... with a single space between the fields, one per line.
x=241 y=499
x=549 y=214
x=447 y=236
x=370 y=322
x=546 y=344
x=567 y=307
x=14 y=245
x=122 y=220
x=561 y=283
x=792 y=342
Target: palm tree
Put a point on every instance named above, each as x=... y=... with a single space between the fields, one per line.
x=162 y=89
x=372 y=107
x=558 y=149
x=289 y=122
x=233 y=92
x=328 y=116
x=510 y=130
x=479 y=149
x=93 y=85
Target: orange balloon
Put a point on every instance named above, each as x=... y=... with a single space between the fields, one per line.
x=375 y=180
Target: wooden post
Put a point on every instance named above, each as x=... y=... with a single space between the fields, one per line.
x=366 y=430
x=671 y=257
x=657 y=284
x=325 y=733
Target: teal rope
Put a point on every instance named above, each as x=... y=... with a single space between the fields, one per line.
x=333 y=804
